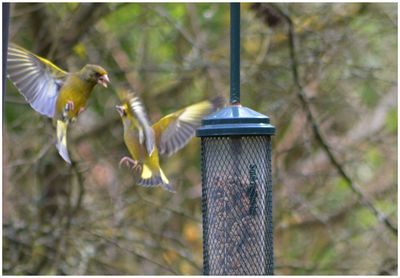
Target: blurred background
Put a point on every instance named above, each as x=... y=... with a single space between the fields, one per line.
x=326 y=74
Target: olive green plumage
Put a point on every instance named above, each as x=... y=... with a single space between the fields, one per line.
x=51 y=91
x=147 y=142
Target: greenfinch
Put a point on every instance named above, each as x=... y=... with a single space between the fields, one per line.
x=51 y=91
x=146 y=142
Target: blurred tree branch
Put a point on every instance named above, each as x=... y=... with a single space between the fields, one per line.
x=306 y=222
x=317 y=132
x=132 y=251
x=56 y=41
x=78 y=219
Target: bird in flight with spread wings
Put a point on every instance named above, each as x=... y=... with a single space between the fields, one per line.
x=147 y=142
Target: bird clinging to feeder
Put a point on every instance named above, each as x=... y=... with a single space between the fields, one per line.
x=51 y=91
x=146 y=142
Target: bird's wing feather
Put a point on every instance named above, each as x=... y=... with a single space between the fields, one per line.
x=175 y=130
x=36 y=78
x=139 y=113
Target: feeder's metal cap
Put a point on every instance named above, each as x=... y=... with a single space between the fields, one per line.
x=235 y=120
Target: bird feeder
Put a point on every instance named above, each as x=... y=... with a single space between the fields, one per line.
x=236 y=182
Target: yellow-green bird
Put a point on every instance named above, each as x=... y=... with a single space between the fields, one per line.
x=51 y=91
x=146 y=142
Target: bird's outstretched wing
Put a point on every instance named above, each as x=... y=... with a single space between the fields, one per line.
x=36 y=78
x=175 y=130
x=146 y=134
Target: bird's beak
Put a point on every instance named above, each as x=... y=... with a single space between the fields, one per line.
x=103 y=80
x=120 y=110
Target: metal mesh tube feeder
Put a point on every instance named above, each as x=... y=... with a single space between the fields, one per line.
x=236 y=182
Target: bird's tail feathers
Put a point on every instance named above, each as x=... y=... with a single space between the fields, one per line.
x=62 y=140
x=166 y=185
x=150 y=179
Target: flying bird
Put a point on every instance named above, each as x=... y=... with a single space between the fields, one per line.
x=51 y=91
x=146 y=142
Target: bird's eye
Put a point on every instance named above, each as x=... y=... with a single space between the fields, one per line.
x=97 y=74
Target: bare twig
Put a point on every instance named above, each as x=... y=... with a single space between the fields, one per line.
x=70 y=212
x=199 y=43
x=185 y=34
x=81 y=187
x=331 y=218
x=32 y=161
x=84 y=17
x=131 y=251
x=173 y=210
x=317 y=132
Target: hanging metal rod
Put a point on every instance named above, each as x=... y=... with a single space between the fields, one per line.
x=235 y=53
x=6 y=17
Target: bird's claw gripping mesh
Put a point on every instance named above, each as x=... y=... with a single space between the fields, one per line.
x=237 y=205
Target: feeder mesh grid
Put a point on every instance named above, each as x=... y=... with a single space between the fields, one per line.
x=237 y=205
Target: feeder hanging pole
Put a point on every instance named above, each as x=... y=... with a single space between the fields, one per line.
x=6 y=18
x=235 y=53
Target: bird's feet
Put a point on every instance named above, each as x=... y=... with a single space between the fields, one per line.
x=129 y=162
x=68 y=107
x=81 y=110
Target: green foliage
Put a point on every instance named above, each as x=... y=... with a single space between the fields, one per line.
x=369 y=96
x=363 y=219
x=391 y=121
x=374 y=158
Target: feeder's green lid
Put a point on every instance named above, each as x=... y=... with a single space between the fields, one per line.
x=235 y=120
